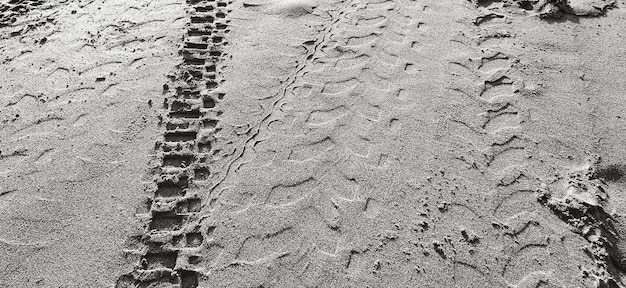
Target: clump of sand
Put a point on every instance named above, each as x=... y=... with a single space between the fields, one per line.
x=557 y=8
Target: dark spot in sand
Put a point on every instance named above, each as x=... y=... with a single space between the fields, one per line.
x=611 y=173
x=526 y=5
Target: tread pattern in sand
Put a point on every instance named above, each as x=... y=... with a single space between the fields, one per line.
x=298 y=186
x=494 y=125
x=10 y=10
x=171 y=249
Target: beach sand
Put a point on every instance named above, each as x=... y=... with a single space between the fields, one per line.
x=293 y=143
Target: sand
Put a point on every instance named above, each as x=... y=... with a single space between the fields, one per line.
x=293 y=143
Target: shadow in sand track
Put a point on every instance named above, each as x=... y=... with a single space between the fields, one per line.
x=12 y=9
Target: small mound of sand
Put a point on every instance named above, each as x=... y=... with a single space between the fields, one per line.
x=555 y=8
x=585 y=8
x=588 y=7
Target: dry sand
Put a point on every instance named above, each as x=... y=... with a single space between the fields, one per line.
x=297 y=143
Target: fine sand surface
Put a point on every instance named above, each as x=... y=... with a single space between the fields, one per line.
x=313 y=143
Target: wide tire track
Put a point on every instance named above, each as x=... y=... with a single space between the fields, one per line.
x=170 y=251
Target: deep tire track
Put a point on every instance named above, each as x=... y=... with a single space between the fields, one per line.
x=169 y=252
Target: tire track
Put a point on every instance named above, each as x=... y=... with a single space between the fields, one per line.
x=489 y=77
x=497 y=88
x=169 y=252
x=11 y=10
x=307 y=182
x=252 y=132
